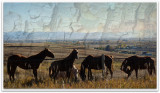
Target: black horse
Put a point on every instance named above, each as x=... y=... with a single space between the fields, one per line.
x=63 y=65
x=23 y=62
x=97 y=63
x=135 y=63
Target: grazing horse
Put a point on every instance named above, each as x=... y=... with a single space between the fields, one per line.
x=97 y=63
x=63 y=65
x=62 y=74
x=135 y=63
x=23 y=62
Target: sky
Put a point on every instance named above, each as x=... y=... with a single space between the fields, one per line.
x=130 y=19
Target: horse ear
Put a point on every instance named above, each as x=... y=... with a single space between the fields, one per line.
x=48 y=46
x=126 y=60
x=45 y=48
x=111 y=56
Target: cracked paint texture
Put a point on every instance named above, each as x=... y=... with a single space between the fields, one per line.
x=79 y=21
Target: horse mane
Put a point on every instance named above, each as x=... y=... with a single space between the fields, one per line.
x=111 y=57
x=70 y=56
x=40 y=53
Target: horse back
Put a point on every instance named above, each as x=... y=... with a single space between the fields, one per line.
x=138 y=62
x=61 y=65
x=15 y=58
x=93 y=62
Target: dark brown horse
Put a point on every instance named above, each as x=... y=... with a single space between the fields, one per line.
x=23 y=62
x=63 y=65
x=135 y=63
x=97 y=63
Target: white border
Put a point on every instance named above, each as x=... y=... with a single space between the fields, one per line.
x=78 y=90
x=1 y=50
x=80 y=1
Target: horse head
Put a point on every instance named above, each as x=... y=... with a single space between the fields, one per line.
x=48 y=53
x=124 y=66
x=75 y=53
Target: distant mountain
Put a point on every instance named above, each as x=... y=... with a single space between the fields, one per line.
x=21 y=35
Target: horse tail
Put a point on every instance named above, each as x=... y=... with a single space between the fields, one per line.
x=112 y=66
x=112 y=63
x=8 y=66
x=153 y=66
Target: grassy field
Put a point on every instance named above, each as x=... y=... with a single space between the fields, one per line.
x=25 y=79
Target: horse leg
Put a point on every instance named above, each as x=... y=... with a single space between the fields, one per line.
x=52 y=73
x=35 y=74
x=111 y=72
x=150 y=71
x=13 y=69
x=91 y=75
x=56 y=70
x=68 y=75
x=136 y=70
x=10 y=75
x=88 y=74
x=106 y=71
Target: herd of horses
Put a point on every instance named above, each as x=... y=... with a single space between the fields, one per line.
x=66 y=66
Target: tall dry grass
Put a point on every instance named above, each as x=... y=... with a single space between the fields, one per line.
x=25 y=79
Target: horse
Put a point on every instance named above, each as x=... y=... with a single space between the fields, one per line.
x=63 y=65
x=97 y=63
x=74 y=74
x=23 y=62
x=136 y=63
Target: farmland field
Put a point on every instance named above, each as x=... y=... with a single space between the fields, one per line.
x=25 y=78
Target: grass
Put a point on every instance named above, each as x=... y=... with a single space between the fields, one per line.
x=25 y=78
x=27 y=81
x=148 y=82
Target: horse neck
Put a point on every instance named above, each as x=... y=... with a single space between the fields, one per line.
x=41 y=55
x=83 y=68
x=70 y=58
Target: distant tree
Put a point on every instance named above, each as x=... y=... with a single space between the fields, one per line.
x=109 y=48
